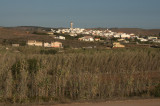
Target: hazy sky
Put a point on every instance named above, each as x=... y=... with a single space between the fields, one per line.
x=84 y=13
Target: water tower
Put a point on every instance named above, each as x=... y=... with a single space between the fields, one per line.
x=71 y=25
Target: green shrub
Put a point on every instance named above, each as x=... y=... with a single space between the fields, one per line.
x=16 y=70
x=32 y=66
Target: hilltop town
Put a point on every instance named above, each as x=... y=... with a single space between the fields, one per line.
x=75 y=37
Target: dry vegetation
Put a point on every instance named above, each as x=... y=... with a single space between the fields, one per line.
x=29 y=76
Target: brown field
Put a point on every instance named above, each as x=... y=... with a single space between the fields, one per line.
x=149 y=102
x=145 y=102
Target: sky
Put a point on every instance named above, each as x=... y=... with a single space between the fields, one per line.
x=83 y=13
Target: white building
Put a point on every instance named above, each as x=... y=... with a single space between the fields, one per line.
x=50 y=33
x=38 y=43
x=46 y=44
x=156 y=40
x=31 y=42
x=117 y=36
x=143 y=40
x=56 y=44
x=152 y=38
x=87 y=38
x=73 y=34
x=60 y=37
x=124 y=35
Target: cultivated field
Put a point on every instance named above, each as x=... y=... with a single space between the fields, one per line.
x=33 y=74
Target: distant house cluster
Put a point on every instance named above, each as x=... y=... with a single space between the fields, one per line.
x=150 y=38
x=95 y=35
x=102 y=33
x=71 y=31
x=44 y=44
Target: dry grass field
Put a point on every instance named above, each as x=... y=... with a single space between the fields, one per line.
x=27 y=76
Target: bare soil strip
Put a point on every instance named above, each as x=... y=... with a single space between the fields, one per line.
x=148 y=102
x=145 y=102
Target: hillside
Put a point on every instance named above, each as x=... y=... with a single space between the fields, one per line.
x=9 y=35
x=23 y=31
x=137 y=31
x=22 y=34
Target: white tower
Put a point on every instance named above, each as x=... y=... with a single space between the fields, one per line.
x=71 y=25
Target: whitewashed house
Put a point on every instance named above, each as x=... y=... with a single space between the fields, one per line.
x=118 y=45
x=15 y=45
x=38 y=43
x=56 y=44
x=34 y=43
x=124 y=35
x=31 y=42
x=152 y=38
x=60 y=37
x=87 y=38
x=117 y=36
x=50 y=33
x=143 y=40
x=46 y=44
x=156 y=40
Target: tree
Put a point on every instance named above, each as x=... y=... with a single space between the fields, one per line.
x=114 y=39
